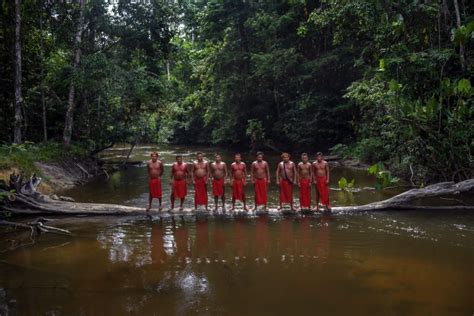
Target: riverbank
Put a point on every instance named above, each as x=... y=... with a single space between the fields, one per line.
x=59 y=166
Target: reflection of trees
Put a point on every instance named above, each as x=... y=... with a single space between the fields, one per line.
x=322 y=236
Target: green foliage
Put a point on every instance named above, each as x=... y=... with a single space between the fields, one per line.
x=25 y=155
x=384 y=177
x=346 y=185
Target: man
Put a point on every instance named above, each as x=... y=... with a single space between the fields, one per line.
x=286 y=176
x=239 y=178
x=321 y=178
x=179 y=173
x=219 y=175
x=155 y=171
x=200 y=175
x=305 y=176
x=260 y=176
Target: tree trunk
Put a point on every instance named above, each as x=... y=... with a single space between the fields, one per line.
x=458 y=25
x=43 y=104
x=72 y=89
x=17 y=139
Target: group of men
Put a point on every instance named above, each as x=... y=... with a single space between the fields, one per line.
x=201 y=172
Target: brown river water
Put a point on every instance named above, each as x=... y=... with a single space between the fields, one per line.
x=378 y=263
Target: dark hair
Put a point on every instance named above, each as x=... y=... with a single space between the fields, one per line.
x=304 y=154
x=179 y=156
x=198 y=153
x=237 y=154
x=259 y=153
x=154 y=154
x=319 y=153
x=217 y=155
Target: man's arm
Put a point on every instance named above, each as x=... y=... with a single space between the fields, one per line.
x=162 y=169
x=225 y=171
x=252 y=170
x=295 y=174
x=267 y=168
x=245 y=173
x=278 y=174
x=172 y=173
x=327 y=173
x=208 y=174
x=313 y=169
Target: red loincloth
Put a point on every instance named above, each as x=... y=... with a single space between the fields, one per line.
x=238 y=192
x=179 y=188
x=261 y=196
x=155 y=188
x=218 y=187
x=286 y=191
x=305 y=193
x=322 y=189
x=200 y=191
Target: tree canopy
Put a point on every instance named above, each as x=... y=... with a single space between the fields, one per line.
x=373 y=79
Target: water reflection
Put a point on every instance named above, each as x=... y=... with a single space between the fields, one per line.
x=264 y=265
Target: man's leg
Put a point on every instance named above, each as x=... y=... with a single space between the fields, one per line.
x=159 y=201
x=181 y=204
x=223 y=203
x=233 y=204
x=172 y=201
x=216 y=202
x=149 y=202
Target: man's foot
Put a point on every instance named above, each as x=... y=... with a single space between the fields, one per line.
x=148 y=209
x=160 y=208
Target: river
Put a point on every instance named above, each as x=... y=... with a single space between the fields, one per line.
x=379 y=263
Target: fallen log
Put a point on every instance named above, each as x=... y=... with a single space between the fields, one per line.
x=29 y=202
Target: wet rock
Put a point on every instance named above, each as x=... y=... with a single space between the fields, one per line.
x=67 y=199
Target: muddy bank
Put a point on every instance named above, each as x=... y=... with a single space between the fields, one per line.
x=59 y=176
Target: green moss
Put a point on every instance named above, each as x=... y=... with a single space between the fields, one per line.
x=25 y=155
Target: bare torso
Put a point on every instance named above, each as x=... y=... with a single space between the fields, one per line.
x=200 y=169
x=155 y=169
x=304 y=170
x=289 y=167
x=238 y=170
x=179 y=170
x=218 y=170
x=259 y=169
x=319 y=168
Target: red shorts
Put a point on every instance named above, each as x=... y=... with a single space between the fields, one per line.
x=286 y=191
x=261 y=189
x=305 y=193
x=180 y=188
x=238 y=190
x=323 y=190
x=200 y=191
x=218 y=187
x=155 y=188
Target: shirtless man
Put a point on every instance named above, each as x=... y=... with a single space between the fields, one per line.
x=219 y=175
x=238 y=172
x=155 y=170
x=305 y=177
x=321 y=178
x=286 y=176
x=260 y=176
x=179 y=173
x=200 y=175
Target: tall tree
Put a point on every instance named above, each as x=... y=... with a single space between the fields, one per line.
x=72 y=88
x=17 y=139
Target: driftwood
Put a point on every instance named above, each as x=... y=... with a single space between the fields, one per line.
x=29 y=202
x=37 y=227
